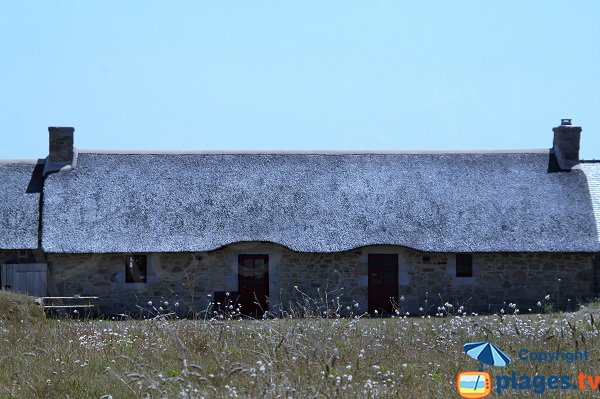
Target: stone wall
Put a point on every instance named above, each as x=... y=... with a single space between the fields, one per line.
x=498 y=280
x=426 y=280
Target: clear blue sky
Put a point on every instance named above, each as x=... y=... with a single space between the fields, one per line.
x=395 y=75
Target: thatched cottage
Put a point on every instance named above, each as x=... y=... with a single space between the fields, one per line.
x=368 y=230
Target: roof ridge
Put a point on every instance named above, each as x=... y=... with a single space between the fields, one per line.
x=310 y=152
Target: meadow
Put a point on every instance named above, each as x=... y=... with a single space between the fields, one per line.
x=309 y=357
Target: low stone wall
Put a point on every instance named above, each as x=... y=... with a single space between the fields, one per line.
x=425 y=280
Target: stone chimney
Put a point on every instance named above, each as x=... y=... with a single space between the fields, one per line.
x=564 y=153
x=61 y=152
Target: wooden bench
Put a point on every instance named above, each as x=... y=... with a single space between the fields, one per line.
x=57 y=303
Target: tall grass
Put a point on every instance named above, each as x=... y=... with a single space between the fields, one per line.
x=290 y=357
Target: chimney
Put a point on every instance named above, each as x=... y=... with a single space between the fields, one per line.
x=61 y=153
x=564 y=153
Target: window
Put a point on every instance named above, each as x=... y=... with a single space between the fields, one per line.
x=464 y=265
x=135 y=269
x=253 y=268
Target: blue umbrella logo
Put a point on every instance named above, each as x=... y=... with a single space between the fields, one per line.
x=486 y=352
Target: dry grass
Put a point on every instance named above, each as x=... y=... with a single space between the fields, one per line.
x=289 y=358
x=17 y=308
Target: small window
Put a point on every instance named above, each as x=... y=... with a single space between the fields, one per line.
x=135 y=269
x=253 y=268
x=464 y=265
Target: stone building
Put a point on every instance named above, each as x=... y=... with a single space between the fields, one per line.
x=363 y=231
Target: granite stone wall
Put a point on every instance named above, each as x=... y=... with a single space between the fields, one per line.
x=316 y=280
x=498 y=280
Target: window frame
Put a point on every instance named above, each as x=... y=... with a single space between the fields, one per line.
x=254 y=257
x=142 y=273
x=464 y=265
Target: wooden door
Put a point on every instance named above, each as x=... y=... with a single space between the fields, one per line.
x=26 y=278
x=383 y=283
x=253 y=279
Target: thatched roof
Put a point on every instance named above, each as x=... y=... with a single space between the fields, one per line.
x=20 y=187
x=319 y=202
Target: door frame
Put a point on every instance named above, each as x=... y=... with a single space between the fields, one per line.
x=256 y=310
x=371 y=290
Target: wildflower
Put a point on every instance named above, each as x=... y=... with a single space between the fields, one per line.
x=547 y=297
x=260 y=365
x=539 y=303
x=166 y=303
x=149 y=303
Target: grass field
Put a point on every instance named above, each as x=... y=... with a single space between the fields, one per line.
x=358 y=357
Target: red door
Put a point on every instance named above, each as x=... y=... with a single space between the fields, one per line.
x=253 y=279
x=383 y=282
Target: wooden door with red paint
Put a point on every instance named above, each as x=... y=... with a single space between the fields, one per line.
x=383 y=283
x=253 y=280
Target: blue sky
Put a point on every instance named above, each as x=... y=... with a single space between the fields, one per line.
x=392 y=75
